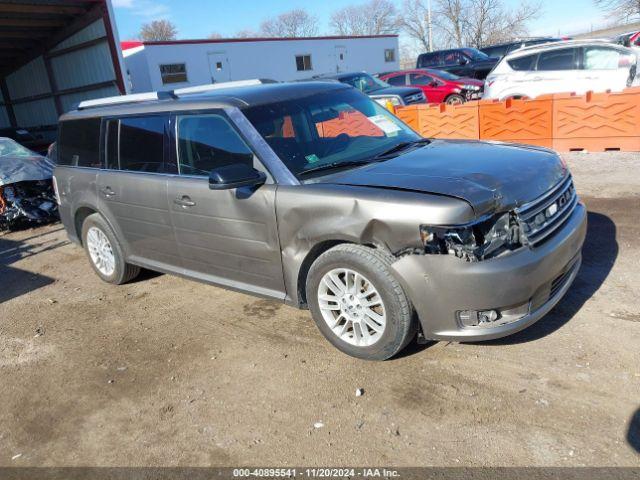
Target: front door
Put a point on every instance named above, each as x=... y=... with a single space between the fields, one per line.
x=226 y=237
x=219 y=67
x=605 y=68
x=341 y=59
x=432 y=88
x=132 y=189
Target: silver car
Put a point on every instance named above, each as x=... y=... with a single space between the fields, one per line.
x=315 y=195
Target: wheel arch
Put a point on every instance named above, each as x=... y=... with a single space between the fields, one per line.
x=313 y=253
x=79 y=217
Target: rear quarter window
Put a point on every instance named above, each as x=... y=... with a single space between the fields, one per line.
x=522 y=63
x=79 y=143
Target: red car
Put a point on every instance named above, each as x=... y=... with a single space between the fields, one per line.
x=438 y=86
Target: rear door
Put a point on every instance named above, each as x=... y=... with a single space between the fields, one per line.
x=132 y=189
x=226 y=237
x=556 y=71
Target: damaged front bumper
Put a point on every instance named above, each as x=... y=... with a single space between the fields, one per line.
x=518 y=288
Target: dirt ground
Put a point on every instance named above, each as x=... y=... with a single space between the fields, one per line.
x=166 y=371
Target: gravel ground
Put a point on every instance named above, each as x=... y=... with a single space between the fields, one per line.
x=166 y=371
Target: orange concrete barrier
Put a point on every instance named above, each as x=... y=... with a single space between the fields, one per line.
x=354 y=124
x=442 y=121
x=409 y=115
x=564 y=122
x=527 y=121
x=597 y=121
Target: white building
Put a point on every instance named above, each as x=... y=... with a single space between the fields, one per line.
x=57 y=54
x=167 y=65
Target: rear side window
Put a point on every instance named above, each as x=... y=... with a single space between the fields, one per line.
x=79 y=143
x=522 y=63
x=208 y=141
x=142 y=144
x=563 y=59
x=398 y=80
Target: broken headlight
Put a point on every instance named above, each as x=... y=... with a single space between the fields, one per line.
x=486 y=238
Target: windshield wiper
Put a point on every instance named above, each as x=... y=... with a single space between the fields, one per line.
x=399 y=147
x=334 y=165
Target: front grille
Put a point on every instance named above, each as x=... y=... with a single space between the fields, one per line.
x=415 y=98
x=543 y=216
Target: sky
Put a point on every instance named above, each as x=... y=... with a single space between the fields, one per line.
x=199 y=18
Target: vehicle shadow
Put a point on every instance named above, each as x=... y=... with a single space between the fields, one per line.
x=598 y=257
x=145 y=275
x=15 y=281
x=633 y=435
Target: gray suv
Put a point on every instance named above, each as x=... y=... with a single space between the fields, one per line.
x=315 y=195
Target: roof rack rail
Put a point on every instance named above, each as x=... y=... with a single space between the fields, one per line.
x=163 y=95
x=564 y=43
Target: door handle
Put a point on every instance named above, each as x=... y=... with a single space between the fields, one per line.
x=184 y=201
x=107 y=192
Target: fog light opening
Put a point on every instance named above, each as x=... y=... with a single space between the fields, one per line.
x=476 y=318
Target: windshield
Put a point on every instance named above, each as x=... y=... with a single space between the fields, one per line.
x=475 y=54
x=9 y=148
x=330 y=128
x=365 y=83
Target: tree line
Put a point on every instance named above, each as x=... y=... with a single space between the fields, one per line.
x=454 y=23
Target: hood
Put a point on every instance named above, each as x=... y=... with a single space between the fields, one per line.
x=15 y=169
x=489 y=176
x=467 y=81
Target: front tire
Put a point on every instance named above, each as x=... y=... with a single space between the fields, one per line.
x=104 y=251
x=455 y=100
x=357 y=303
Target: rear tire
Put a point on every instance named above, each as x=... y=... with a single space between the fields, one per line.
x=104 y=251
x=375 y=325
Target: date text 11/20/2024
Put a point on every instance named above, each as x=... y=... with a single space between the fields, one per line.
x=315 y=472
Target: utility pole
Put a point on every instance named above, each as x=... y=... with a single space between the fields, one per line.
x=429 y=25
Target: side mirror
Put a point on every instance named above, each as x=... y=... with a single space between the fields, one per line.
x=235 y=176
x=463 y=61
x=433 y=84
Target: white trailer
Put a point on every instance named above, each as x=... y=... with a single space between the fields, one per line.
x=166 y=65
